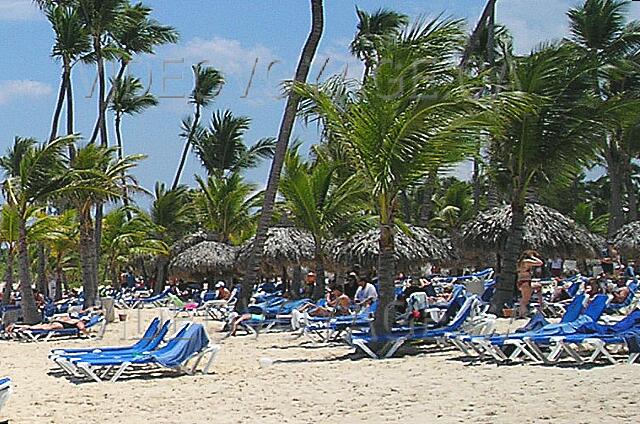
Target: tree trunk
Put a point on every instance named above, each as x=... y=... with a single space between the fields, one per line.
x=187 y=145
x=88 y=260
x=161 y=273
x=59 y=277
x=102 y=112
x=616 y=217
x=117 y=125
x=60 y=102
x=8 y=277
x=508 y=274
x=385 y=312
x=318 y=290
x=42 y=269
x=30 y=313
x=477 y=184
x=632 y=192
x=70 y=129
x=284 y=134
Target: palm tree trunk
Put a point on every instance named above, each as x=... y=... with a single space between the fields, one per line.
x=632 y=192
x=616 y=218
x=88 y=262
x=8 y=277
x=70 y=126
x=284 y=134
x=187 y=145
x=42 y=269
x=385 y=312
x=59 y=276
x=102 y=113
x=506 y=281
x=161 y=273
x=318 y=290
x=60 y=102
x=477 y=184
x=30 y=313
x=118 y=128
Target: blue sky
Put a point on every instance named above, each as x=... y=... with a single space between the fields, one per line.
x=231 y=35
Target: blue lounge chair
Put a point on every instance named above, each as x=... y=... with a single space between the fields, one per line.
x=154 y=301
x=392 y=342
x=5 y=391
x=495 y=345
x=598 y=336
x=148 y=335
x=190 y=343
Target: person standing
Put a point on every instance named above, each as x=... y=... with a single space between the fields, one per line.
x=528 y=261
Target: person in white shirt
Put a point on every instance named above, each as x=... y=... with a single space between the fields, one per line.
x=366 y=293
x=556 y=266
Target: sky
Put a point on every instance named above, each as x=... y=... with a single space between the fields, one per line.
x=236 y=36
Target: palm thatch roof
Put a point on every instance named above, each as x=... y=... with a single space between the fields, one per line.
x=627 y=239
x=411 y=250
x=545 y=230
x=191 y=240
x=204 y=259
x=284 y=246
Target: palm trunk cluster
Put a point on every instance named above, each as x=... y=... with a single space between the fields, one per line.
x=89 y=259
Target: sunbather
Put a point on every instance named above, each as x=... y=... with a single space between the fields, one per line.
x=60 y=323
x=620 y=292
x=235 y=321
x=338 y=303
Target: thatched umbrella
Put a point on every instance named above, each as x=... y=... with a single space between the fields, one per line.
x=627 y=239
x=545 y=230
x=411 y=250
x=284 y=246
x=204 y=259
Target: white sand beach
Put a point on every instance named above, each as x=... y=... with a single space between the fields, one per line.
x=309 y=383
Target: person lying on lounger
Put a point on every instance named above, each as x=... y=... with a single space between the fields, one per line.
x=620 y=292
x=60 y=323
x=337 y=304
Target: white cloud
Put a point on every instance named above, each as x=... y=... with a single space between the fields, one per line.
x=19 y=89
x=18 y=10
x=229 y=55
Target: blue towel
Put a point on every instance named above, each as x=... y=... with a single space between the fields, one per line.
x=193 y=340
x=535 y=324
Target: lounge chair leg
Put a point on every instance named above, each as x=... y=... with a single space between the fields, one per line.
x=633 y=357
x=533 y=348
x=86 y=369
x=396 y=345
x=118 y=373
x=362 y=345
x=572 y=352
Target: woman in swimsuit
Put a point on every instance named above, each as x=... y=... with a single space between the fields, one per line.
x=528 y=260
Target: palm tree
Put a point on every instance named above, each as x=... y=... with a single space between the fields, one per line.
x=135 y=33
x=34 y=172
x=172 y=212
x=9 y=234
x=548 y=139
x=319 y=202
x=125 y=238
x=96 y=177
x=406 y=120
x=375 y=29
x=72 y=42
x=603 y=39
x=284 y=134
x=128 y=99
x=224 y=206
x=207 y=84
x=221 y=147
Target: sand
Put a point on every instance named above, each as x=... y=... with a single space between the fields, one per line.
x=316 y=384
